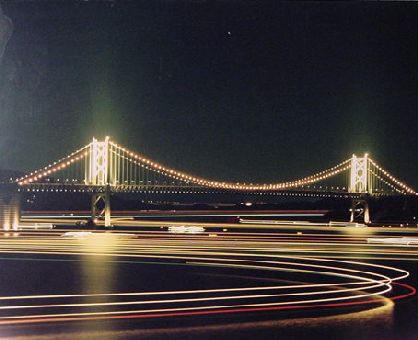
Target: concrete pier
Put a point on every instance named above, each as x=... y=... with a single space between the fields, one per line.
x=9 y=206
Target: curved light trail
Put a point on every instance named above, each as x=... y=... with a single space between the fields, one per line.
x=318 y=282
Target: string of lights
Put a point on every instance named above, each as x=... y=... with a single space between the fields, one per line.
x=123 y=169
x=61 y=164
x=182 y=176
x=386 y=182
x=393 y=178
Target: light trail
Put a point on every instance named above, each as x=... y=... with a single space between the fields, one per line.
x=334 y=282
x=27 y=220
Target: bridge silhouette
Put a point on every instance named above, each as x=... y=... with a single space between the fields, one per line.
x=104 y=167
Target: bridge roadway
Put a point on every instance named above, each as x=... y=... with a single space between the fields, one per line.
x=294 y=281
x=308 y=191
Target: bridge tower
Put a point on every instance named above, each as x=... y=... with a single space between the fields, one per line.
x=97 y=173
x=360 y=182
x=360 y=175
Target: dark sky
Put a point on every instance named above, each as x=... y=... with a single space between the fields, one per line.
x=231 y=90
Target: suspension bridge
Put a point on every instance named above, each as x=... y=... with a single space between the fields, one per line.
x=103 y=167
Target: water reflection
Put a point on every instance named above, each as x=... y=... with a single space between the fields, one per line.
x=98 y=270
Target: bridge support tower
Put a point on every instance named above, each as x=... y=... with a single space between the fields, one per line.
x=97 y=173
x=359 y=211
x=360 y=182
x=100 y=206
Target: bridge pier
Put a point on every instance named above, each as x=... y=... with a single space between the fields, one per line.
x=9 y=207
x=360 y=211
x=104 y=199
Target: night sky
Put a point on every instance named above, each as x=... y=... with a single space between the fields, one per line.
x=230 y=90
